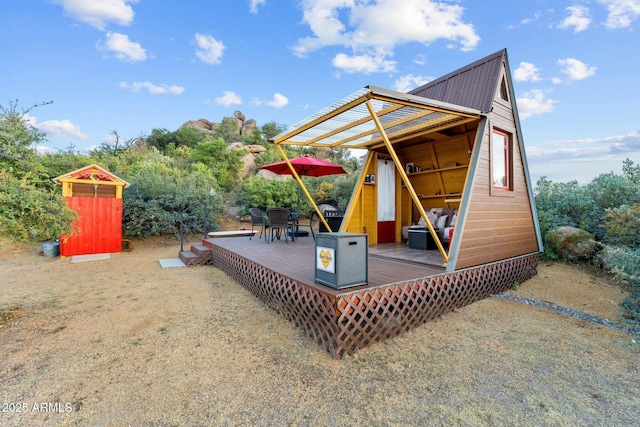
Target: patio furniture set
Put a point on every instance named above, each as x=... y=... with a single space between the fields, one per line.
x=276 y=222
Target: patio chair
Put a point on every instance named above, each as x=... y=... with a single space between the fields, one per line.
x=312 y=219
x=279 y=220
x=258 y=221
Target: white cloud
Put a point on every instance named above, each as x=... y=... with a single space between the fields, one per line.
x=574 y=69
x=123 y=48
x=406 y=83
x=41 y=149
x=365 y=64
x=278 y=101
x=228 y=98
x=621 y=12
x=582 y=159
x=98 y=13
x=578 y=19
x=528 y=20
x=209 y=49
x=533 y=103
x=420 y=59
x=373 y=29
x=152 y=88
x=253 y=5
x=57 y=128
x=527 y=72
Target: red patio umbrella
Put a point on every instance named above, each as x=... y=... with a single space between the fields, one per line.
x=305 y=166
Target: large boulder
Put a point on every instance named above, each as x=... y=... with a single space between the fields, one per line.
x=201 y=124
x=248 y=165
x=249 y=127
x=255 y=149
x=572 y=243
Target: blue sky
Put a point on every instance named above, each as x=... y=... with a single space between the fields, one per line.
x=134 y=65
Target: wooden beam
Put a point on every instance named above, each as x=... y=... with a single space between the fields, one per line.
x=324 y=118
x=407 y=183
x=359 y=189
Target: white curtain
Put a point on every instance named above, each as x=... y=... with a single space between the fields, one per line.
x=386 y=190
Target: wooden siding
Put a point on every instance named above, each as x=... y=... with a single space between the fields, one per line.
x=88 y=190
x=497 y=225
x=442 y=186
x=365 y=202
x=99 y=226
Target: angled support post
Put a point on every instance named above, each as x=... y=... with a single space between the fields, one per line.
x=304 y=189
x=405 y=178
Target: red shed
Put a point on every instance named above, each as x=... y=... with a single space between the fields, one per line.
x=96 y=196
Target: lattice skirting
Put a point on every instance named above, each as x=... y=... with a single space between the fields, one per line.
x=344 y=323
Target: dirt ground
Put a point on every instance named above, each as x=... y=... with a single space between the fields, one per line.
x=124 y=342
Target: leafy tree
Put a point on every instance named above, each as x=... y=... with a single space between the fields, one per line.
x=621 y=226
x=117 y=146
x=271 y=129
x=610 y=190
x=223 y=163
x=631 y=171
x=256 y=192
x=625 y=263
x=18 y=138
x=30 y=214
x=562 y=204
x=59 y=163
x=161 y=195
x=228 y=130
x=165 y=141
x=30 y=209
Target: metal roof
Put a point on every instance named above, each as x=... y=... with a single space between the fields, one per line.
x=473 y=85
x=348 y=123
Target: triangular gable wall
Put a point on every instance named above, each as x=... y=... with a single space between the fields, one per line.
x=91 y=173
x=495 y=224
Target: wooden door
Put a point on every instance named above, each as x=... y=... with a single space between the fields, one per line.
x=99 y=226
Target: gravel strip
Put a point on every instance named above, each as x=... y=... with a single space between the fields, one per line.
x=572 y=313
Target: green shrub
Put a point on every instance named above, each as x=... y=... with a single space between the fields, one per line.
x=625 y=263
x=31 y=214
x=622 y=226
x=159 y=196
x=264 y=194
x=561 y=204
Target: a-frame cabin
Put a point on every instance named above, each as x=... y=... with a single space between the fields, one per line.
x=453 y=145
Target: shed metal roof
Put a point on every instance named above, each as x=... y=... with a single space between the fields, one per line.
x=348 y=123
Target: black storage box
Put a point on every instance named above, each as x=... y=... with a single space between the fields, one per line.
x=421 y=238
x=334 y=219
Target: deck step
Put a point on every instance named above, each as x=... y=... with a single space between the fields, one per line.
x=198 y=255
x=201 y=250
x=188 y=258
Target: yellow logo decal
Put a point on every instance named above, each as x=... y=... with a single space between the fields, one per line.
x=325 y=257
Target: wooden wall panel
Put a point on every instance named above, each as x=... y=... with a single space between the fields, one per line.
x=499 y=225
x=99 y=225
x=365 y=214
x=87 y=190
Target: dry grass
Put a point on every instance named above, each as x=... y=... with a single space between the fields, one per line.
x=124 y=342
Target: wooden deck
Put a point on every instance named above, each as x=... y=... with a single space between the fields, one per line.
x=400 y=294
x=296 y=260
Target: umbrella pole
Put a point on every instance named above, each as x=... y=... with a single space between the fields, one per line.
x=297 y=177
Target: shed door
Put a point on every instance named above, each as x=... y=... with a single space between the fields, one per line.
x=100 y=226
x=386 y=201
